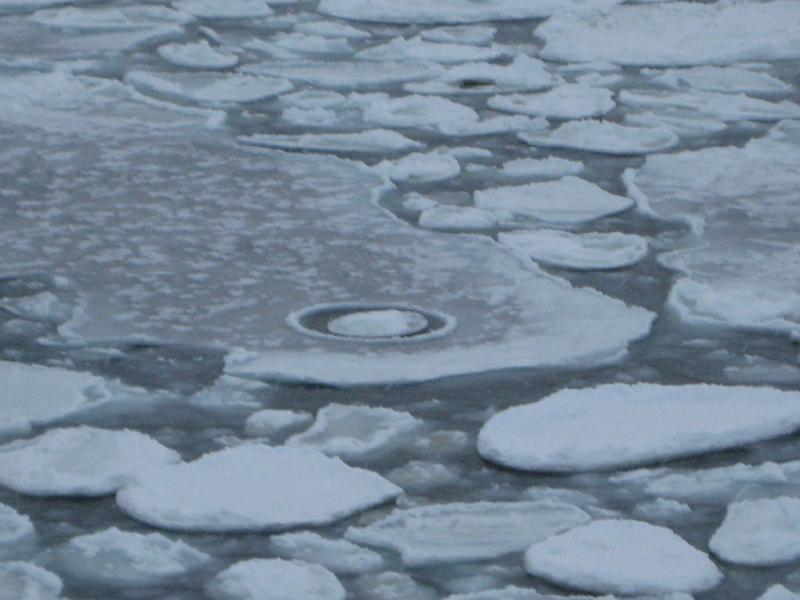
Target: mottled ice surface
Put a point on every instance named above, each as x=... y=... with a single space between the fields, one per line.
x=304 y=278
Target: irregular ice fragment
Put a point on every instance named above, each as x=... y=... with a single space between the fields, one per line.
x=197 y=55
x=569 y=101
x=340 y=556
x=369 y=141
x=269 y=422
x=417 y=111
x=275 y=579
x=622 y=557
x=458 y=218
x=26 y=581
x=604 y=137
x=208 y=88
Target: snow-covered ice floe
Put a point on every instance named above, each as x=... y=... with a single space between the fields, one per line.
x=618 y=425
x=513 y=317
x=340 y=556
x=675 y=33
x=208 y=88
x=760 y=532
x=79 y=461
x=355 y=432
x=346 y=75
x=123 y=559
x=417 y=111
x=36 y=395
x=622 y=557
x=420 y=167
x=569 y=101
x=458 y=218
x=778 y=592
x=581 y=251
x=369 y=141
x=550 y=167
x=253 y=487
x=416 y=49
x=568 y=200
x=275 y=579
x=443 y=533
x=603 y=137
x=269 y=422
x=517 y=593
x=22 y=580
x=731 y=79
x=728 y=278
x=453 y=11
x=198 y=55
x=230 y=9
x=522 y=74
x=15 y=531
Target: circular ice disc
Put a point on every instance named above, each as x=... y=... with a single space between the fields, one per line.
x=378 y=323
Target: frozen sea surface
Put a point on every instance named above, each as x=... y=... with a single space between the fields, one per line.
x=399 y=300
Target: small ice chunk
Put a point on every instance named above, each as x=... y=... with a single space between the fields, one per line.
x=392 y=586
x=339 y=556
x=566 y=495
x=208 y=88
x=725 y=107
x=44 y=306
x=15 y=530
x=230 y=9
x=417 y=49
x=580 y=251
x=778 y=592
x=622 y=557
x=675 y=33
x=197 y=55
x=568 y=200
x=569 y=101
x=253 y=487
x=417 y=203
x=460 y=34
x=492 y=125
x=552 y=166
x=26 y=581
x=420 y=167
x=418 y=112
x=453 y=11
x=522 y=74
x=355 y=432
x=661 y=509
x=604 y=137
x=759 y=533
x=306 y=43
x=124 y=559
x=709 y=78
x=421 y=475
x=458 y=218
x=269 y=422
x=346 y=75
x=378 y=323
x=332 y=29
x=275 y=579
x=79 y=461
x=443 y=533
x=370 y=141
x=618 y=425
x=32 y=394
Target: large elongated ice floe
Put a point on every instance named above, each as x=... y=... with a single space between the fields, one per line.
x=582 y=251
x=622 y=557
x=275 y=579
x=417 y=49
x=253 y=487
x=676 y=33
x=453 y=11
x=568 y=200
x=617 y=425
x=327 y=240
x=230 y=9
x=734 y=79
x=346 y=75
x=208 y=88
x=79 y=461
x=604 y=137
x=759 y=533
x=726 y=278
x=443 y=533
x=120 y=559
x=33 y=394
x=369 y=141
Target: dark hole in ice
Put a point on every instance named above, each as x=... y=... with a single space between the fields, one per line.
x=475 y=83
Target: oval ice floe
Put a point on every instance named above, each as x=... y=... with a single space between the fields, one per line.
x=371 y=322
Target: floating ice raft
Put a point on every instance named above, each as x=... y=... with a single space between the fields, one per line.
x=613 y=426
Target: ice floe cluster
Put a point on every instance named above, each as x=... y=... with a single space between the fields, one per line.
x=477 y=300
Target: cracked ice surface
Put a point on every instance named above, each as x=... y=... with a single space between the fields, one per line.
x=174 y=240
